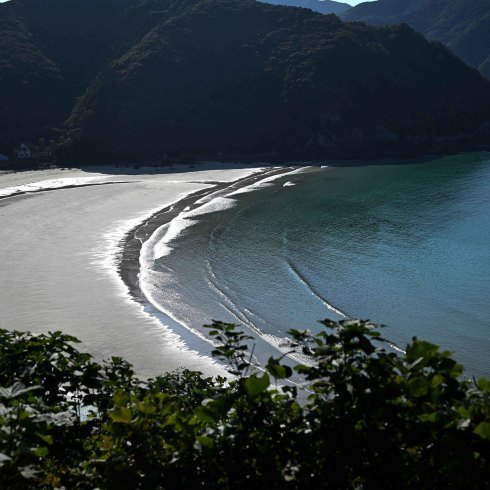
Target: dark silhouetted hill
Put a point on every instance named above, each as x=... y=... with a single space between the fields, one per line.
x=153 y=79
x=463 y=25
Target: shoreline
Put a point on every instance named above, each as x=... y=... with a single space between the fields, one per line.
x=61 y=247
x=120 y=166
x=128 y=263
x=71 y=258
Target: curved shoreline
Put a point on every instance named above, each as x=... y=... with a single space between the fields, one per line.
x=128 y=263
x=61 y=250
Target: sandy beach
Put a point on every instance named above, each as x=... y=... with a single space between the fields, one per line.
x=65 y=250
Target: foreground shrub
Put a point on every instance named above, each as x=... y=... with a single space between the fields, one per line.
x=364 y=417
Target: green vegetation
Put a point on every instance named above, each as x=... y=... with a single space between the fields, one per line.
x=373 y=418
x=139 y=80
x=462 y=25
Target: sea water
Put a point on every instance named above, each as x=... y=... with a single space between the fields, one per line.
x=407 y=246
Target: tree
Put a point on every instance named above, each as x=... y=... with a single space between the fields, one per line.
x=365 y=417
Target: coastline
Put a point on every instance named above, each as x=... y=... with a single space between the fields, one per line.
x=72 y=243
x=60 y=249
x=128 y=266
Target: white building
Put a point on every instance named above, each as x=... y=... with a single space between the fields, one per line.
x=23 y=151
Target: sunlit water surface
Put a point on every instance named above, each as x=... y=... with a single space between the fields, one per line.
x=403 y=245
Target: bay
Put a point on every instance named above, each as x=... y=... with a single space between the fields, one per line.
x=407 y=246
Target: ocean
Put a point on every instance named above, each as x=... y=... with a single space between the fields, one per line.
x=406 y=246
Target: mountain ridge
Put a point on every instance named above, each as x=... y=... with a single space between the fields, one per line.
x=462 y=25
x=154 y=79
x=321 y=6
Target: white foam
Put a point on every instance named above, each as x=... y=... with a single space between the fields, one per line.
x=281 y=344
x=70 y=277
x=251 y=188
x=45 y=185
x=267 y=182
x=160 y=244
x=150 y=281
x=164 y=236
x=107 y=256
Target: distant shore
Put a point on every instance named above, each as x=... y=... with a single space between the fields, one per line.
x=260 y=161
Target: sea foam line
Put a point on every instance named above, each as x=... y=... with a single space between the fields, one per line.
x=315 y=291
x=281 y=344
x=266 y=182
x=159 y=245
x=329 y=305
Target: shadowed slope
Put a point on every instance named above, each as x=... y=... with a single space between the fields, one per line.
x=463 y=25
x=227 y=79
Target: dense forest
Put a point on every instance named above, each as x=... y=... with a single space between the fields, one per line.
x=227 y=79
x=364 y=418
x=463 y=25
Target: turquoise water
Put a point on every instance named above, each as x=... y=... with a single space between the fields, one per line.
x=403 y=245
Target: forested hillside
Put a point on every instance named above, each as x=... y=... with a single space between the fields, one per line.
x=463 y=25
x=149 y=79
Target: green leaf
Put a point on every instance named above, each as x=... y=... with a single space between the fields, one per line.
x=429 y=417
x=206 y=415
x=484 y=384
x=121 y=415
x=41 y=452
x=457 y=370
x=278 y=370
x=483 y=430
x=255 y=385
x=420 y=349
x=210 y=411
x=417 y=386
x=48 y=439
x=206 y=441
x=220 y=406
x=365 y=345
x=437 y=380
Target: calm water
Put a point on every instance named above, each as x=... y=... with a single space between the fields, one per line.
x=403 y=245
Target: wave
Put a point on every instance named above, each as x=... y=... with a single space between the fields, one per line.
x=177 y=227
x=162 y=242
x=303 y=279
x=243 y=315
x=159 y=245
x=314 y=291
x=267 y=182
